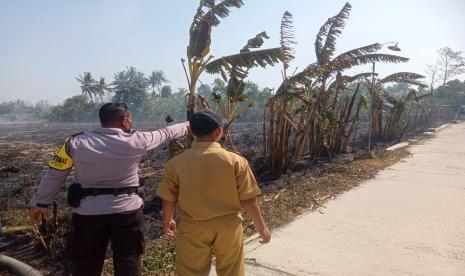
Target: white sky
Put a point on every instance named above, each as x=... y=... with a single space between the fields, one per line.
x=45 y=44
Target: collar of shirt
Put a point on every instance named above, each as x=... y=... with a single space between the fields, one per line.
x=200 y=145
x=108 y=130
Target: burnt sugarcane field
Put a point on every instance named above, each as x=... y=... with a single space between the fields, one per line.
x=313 y=107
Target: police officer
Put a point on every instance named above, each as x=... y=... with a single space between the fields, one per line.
x=105 y=203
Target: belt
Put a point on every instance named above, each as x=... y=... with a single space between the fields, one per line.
x=108 y=191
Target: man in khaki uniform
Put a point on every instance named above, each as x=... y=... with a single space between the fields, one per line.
x=209 y=185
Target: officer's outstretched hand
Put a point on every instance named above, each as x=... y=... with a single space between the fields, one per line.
x=37 y=214
x=265 y=235
x=169 y=227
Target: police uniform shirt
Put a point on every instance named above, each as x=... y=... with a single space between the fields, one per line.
x=207 y=181
x=103 y=158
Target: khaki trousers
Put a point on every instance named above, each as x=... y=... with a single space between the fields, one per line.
x=197 y=241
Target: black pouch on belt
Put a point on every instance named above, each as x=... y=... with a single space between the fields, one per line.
x=74 y=195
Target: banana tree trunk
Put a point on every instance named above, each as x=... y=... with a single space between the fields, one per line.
x=301 y=139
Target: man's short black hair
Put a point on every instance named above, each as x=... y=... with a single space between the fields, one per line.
x=112 y=112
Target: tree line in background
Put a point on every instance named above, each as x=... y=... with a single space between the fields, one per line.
x=149 y=98
x=80 y=108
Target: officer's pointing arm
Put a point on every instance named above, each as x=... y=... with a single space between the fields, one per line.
x=158 y=137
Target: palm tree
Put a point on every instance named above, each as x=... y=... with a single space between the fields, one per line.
x=100 y=88
x=130 y=86
x=156 y=80
x=87 y=85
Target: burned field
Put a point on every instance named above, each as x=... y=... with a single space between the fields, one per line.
x=25 y=150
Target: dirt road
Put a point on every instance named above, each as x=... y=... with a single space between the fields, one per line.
x=409 y=220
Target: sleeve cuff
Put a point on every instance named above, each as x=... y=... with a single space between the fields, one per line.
x=36 y=203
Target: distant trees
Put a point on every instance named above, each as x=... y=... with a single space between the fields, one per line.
x=253 y=102
x=81 y=108
x=166 y=91
x=130 y=86
x=101 y=88
x=149 y=97
x=92 y=88
x=204 y=90
x=449 y=64
x=432 y=72
x=452 y=93
x=182 y=91
x=75 y=109
x=14 y=111
x=156 y=80
x=87 y=84
x=156 y=109
x=42 y=110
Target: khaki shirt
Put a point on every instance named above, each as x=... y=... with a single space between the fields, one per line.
x=207 y=181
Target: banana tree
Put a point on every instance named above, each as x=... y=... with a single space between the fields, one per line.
x=308 y=89
x=278 y=107
x=348 y=123
x=199 y=59
x=340 y=118
x=234 y=72
x=395 y=125
x=325 y=47
x=379 y=92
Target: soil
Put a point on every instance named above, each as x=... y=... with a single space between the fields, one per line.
x=26 y=148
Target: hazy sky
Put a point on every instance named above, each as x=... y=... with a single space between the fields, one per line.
x=45 y=44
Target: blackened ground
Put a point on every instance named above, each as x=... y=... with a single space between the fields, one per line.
x=25 y=150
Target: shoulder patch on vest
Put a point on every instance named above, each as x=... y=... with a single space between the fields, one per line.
x=61 y=159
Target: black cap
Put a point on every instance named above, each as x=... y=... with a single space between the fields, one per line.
x=204 y=122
